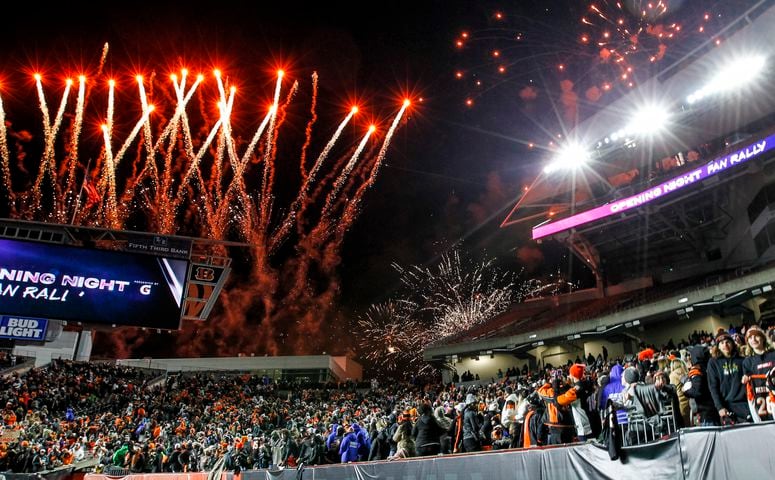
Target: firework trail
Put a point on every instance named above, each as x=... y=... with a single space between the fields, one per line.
x=150 y=172
x=339 y=183
x=5 y=157
x=103 y=57
x=308 y=131
x=351 y=210
x=72 y=156
x=300 y=204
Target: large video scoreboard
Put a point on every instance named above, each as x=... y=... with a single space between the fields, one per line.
x=46 y=281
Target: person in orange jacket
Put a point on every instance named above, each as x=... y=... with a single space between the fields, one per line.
x=558 y=396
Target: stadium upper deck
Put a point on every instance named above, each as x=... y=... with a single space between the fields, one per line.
x=665 y=195
x=649 y=182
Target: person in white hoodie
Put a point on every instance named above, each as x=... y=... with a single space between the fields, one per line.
x=78 y=452
x=509 y=412
x=580 y=418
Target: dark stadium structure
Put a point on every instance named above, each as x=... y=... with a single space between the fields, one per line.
x=677 y=226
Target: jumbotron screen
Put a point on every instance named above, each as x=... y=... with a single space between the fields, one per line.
x=59 y=282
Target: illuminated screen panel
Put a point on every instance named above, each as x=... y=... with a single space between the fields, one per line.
x=86 y=285
x=691 y=177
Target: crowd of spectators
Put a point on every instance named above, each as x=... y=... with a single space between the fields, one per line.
x=136 y=420
x=7 y=359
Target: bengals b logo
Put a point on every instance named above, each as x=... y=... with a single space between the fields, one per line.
x=204 y=274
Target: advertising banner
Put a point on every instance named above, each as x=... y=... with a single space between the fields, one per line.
x=23 y=328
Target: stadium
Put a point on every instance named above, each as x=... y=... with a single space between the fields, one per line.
x=664 y=200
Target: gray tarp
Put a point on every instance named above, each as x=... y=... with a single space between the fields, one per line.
x=699 y=453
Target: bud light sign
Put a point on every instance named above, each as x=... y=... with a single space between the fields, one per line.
x=22 y=328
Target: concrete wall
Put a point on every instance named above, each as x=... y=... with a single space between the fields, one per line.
x=342 y=369
x=558 y=355
x=486 y=367
x=681 y=328
x=347 y=368
x=84 y=346
x=595 y=347
x=62 y=347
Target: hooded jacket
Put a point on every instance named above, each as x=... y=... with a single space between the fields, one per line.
x=364 y=442
x=558 y=405
x=349 y=447
x=726 y=388
x=614 y=385
x=427 y=431
x=508 y=415
x=471 y=423
x=696 y=387
x=443 y=421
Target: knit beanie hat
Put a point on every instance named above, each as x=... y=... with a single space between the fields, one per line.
x=755 y=330
x=646 y=354
x=723 y=335
x=577 y=371
x=631 y=375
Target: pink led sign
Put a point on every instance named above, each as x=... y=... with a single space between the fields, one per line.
x=652 y=193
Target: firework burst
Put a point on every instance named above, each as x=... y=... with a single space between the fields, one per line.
x=458 y=293
x=435 y=303
x=439 y=302
x=591 y=50
x=390 y=336
x=166 y=166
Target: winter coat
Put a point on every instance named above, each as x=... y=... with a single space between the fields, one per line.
x=759 y=365
x=697 y=389
x=726 y=387
x=348 y=450
x=364 y=442
x=427 y=431
x=471 y=423
x=683 y=401
x=614 y=385
x=403 y=437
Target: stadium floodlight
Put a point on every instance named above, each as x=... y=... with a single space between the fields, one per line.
x=648 y=121
x=569 y=157
x=733 y=76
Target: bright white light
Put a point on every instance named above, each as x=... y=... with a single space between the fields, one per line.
x=732 y=77
x=571 y=156
x=648 y=120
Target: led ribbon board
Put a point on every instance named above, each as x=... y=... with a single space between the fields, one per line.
x=691 y=177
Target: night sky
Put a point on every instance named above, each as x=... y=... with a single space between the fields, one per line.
x=453 y=170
